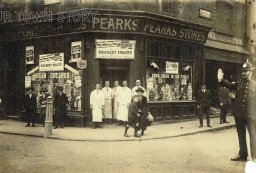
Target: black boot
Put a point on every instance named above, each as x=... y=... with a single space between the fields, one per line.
x=142 y=133
x=125 y=131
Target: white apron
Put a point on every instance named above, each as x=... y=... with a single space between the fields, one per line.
x=97 y=101
x=116 y=93
x=124 y=102
x=108 y=95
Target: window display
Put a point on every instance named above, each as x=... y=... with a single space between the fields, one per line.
x=170 y=81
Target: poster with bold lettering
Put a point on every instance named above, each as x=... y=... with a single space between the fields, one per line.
x=75 y=51
x=172 y=67
x=115 y=49
x=27 y=81
x=51 y=62
x=29 y=54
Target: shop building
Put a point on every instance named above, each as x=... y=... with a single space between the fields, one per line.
x=163 y=52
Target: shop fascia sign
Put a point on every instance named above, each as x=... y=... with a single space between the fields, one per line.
x=115 y=23
x=225 y=38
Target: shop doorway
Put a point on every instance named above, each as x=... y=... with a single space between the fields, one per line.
x=114 y=70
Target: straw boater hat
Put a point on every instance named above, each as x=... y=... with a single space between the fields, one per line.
x=140 y=90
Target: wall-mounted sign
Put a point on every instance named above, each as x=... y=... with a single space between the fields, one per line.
x=82 y=64
x=30 y=55
x=27 y=81
x=225 y=38
x=115 y=49
x=75 y=51
x=51 y=62
x=172 y=67
x=205 y=14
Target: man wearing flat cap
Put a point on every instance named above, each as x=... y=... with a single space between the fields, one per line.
x=244 y=110
x=30 y=107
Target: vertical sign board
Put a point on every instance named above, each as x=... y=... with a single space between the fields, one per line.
x=29 y=55
x=76 y=48
x=51 y=62
x=115 y=49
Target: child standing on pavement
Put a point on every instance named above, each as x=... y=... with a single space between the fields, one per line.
x=133 y=117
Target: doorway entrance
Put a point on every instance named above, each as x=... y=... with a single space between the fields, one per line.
x=114 y=70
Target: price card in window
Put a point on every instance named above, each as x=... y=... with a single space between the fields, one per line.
x=172 y=67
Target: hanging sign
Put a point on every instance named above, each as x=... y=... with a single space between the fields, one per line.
x=75 y=51
x=29 y=54
x=172 y=67
x=81 y=64
x=115 y=49
x=51 y=62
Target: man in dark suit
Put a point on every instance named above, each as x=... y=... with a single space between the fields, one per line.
x=204 y=102
x=244 y=110
x=30 y=107
x=224 y=97
x=60 y=105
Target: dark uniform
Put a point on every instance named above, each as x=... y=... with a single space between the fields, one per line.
x=42 y=104
x=224 y=99
x=30 y=105
x=244 y=111
x=204 y=101
x=143 y=111
x=60 y=105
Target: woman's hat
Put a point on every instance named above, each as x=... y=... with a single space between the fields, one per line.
x=30 y=88
x=44 y=90
x=140 y=90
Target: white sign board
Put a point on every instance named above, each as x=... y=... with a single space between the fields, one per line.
x=27 y=81
x=75 y=51
x=29 y=54
x=51 y=62
x=172 y=67
x=115 y=49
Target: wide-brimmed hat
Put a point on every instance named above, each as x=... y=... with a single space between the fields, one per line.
x=140 y=90
x=60 y=89
x=44 y=90
x=29 y=88
x=247 y=66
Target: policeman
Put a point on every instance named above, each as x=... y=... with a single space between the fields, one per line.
x=244 y=110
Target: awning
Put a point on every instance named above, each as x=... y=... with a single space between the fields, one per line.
x=225 y=46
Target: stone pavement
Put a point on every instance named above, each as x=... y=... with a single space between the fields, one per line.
x=113 y=132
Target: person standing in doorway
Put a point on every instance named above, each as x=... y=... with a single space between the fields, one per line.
x=97 y=104
x=116 y=92
x=42 y=104
x=137 y=85
x=108 y=95
x=204 y=103
x=30 y=107
x=224 y=97
x=60 y=104
x=124 y=103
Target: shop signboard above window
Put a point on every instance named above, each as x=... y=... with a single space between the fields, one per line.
x=172 y=67
x=29 y=54
x=115 y=49
x=51 y=62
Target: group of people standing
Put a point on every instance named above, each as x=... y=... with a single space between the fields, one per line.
x=122 y=104
x=60 y=104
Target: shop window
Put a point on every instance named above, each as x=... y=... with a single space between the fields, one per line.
x=154 y=48
x=169 y=80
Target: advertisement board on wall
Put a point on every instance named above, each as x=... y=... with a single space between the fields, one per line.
x=51 y=62
x=29 y=54
x=115 y=49
x=172 y=67
x=75 y=51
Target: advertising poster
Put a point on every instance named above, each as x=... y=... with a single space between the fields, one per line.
x=29 y=55
x=172 y=67
x=115 y=49
x=51 y=62
x=28 y=81
x=75 y=51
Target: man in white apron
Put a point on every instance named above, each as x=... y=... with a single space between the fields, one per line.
x=116 y=92
x=108 y=95
x=97 y=104
x=124 y=103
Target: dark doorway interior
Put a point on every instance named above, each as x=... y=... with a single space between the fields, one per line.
x=112 y=70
